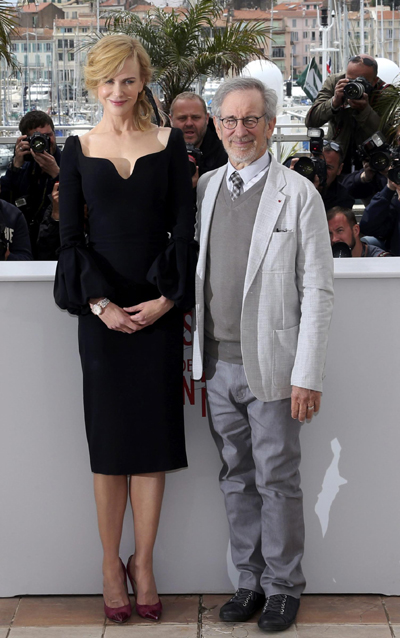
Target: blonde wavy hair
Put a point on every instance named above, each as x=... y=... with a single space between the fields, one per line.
x=106 y=59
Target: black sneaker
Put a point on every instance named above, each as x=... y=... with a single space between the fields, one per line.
x=241 y=606
x=279 y=612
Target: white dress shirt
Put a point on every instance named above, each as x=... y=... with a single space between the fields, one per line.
x=251 y=173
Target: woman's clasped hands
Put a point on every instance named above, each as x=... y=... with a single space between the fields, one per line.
x=135 y=318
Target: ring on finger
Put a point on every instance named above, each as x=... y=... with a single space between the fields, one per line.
x=310 y=407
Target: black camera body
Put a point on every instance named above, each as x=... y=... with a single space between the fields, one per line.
x=39 y=143
x=394 y=172
x=309 y=167
x=355 y=89
x=376 y=152
x=194 y=156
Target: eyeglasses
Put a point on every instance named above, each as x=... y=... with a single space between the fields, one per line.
x=248 y=122
x=359 y=59
x=333 y=145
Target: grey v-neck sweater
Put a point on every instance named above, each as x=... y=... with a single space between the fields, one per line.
x=228 y=251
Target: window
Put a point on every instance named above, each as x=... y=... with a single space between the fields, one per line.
x=294 y=23
x=14 y=47
x=71 y=44
x=68 y=30
x=60 y=44
x=312 y=36
x=307 y=48
x=278 y=52
x=320 y=59
x=305 y=35
x=70 y=57
x=365 y=35
x=60 y=57
x=24 y=47
x=67 y=15
x=314 y=23
x=295 y=36
x=65 y=45
x=305 y=60
x=48 y=60
x=294 y=49
x=47 y=46
x=306 y=22
x=74 y=15
x=389 y=34
x=84 y=30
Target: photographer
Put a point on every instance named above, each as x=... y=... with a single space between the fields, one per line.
x=343 y=227
x=189 y=113
x=381 y=218
x=14 y=235
x=365 y=183
x=32 y=174
x=351 y=121
x=327 y=165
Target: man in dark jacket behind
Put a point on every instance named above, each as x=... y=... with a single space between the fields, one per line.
x=14 y=235
x=189 y=113
x=350 y=122
x=31 y=176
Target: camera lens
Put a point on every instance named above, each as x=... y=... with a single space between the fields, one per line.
x=353 y=90
x=341 y=249
x=38 y=145
x=379 y=161
x=305 y=166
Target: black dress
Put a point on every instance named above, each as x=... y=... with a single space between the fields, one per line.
x=139 y=245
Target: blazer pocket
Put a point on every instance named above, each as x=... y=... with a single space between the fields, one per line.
x=280 y=256
x=284 y=354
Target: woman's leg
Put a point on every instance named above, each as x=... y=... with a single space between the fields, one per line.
x=111 y=493
x=146 y=493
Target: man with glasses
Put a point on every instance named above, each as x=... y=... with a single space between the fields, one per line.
x=351 y=122
x=264 y=299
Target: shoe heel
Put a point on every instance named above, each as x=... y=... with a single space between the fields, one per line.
x=119 y=615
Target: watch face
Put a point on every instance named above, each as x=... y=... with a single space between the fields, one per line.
x=97 y=309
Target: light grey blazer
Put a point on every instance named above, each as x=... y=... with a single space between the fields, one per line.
x=288 y=290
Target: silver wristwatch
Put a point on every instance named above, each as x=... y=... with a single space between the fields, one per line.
x=97 y=308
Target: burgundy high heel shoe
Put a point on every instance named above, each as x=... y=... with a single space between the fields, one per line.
x=152 y=612
x=119 y=614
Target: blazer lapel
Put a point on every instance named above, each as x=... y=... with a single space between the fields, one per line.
x=207 y=210
x=269 y=209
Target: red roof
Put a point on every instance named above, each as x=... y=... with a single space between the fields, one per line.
x=34 y=8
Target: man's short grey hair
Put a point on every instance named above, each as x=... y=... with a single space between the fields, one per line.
x=269 y=96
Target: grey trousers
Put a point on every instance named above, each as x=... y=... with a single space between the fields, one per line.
x=260 y=450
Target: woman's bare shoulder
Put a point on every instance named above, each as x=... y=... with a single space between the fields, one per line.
x=163 y=134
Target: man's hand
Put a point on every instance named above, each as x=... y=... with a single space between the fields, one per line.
x=55 y=196
x=394 y=187
x=338 y=97
x=360 y=105
x=21 y=149
x=47 y=163
x=305 y=403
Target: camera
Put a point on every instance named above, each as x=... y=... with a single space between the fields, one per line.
x=355 y=89
x=194 y=155
x=39 y=143
x=394 y=172
x=376 y=151
x=341 y=249
x=309 y=167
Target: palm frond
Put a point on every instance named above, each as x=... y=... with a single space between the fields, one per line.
x=7 y=25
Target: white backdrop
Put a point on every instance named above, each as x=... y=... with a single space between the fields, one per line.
x=350 y=471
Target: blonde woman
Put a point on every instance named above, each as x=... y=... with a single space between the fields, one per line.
x=129 y=281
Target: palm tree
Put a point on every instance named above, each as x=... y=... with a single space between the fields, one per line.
x=7 y=24
x=185 y=44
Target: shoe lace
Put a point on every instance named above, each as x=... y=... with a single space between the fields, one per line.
x=276 y=603
x=241 y=596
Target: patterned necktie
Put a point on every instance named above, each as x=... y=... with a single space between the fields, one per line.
x=237 y=184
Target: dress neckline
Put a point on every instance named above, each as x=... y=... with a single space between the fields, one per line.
x=106 y=159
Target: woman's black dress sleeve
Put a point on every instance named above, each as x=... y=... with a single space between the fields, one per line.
x=78 y=277
x=173 y=271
